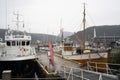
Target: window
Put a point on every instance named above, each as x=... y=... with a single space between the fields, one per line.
x=17 y=43
x=8 y=43
x=28 y=43
x=23 y=43
x=13 y=43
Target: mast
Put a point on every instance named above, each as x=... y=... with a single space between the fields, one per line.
x=94 y=32
x=61 y=32
x=84 y=25
x=95 y=37
x=62 y=37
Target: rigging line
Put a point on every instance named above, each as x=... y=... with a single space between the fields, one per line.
x=78 y=28
x=89 y=15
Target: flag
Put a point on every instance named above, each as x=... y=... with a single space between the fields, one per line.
x=51 y=52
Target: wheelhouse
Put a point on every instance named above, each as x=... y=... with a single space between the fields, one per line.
x=19 y=40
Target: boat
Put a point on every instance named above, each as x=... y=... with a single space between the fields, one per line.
x=17 y=55
x=84 y=53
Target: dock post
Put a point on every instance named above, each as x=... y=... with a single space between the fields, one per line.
x=118 y=76
x=6 y=75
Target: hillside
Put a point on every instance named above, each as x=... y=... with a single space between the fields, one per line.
x=66 y=34
x=106 y=30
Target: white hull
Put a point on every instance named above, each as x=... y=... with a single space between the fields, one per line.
x=17 y=58
x=15 y=54
x=86 y=56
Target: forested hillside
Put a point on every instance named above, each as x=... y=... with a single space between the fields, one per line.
x=106 y=30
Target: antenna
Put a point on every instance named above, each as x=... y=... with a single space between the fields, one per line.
x=60 y=23
x=17 y=19
x=6 y=14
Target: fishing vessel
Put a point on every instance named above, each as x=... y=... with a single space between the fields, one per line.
x=17 y=55
x=84 y=53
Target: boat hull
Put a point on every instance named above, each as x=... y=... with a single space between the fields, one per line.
x=99 y=64
x=20 y=69
x=97 y=60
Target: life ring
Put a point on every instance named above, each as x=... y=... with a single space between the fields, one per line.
x=22 y=49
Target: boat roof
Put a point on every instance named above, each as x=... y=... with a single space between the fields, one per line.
x=17 y=37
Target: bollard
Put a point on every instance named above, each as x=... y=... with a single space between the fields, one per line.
x=6 y=75
x=118 y=76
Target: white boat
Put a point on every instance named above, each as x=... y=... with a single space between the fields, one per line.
x=17 y=55
x=17 y=48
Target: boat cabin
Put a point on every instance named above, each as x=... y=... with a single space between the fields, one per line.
x=18 y=40
x=68 y=45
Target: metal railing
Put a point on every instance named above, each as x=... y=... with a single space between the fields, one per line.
x=56 y=78
x=109 y=68
x=70 y=73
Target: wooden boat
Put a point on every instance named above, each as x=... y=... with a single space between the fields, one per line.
x=83 y=54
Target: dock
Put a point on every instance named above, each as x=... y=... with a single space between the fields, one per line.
x=72 y=70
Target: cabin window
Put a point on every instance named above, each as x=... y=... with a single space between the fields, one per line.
x=23 y=43
x=28 y=43
x=67 y=44
x=17 y=43
x=8 y=43
x=13 y=43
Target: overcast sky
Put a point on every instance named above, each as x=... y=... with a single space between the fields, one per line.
x=48 y=16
